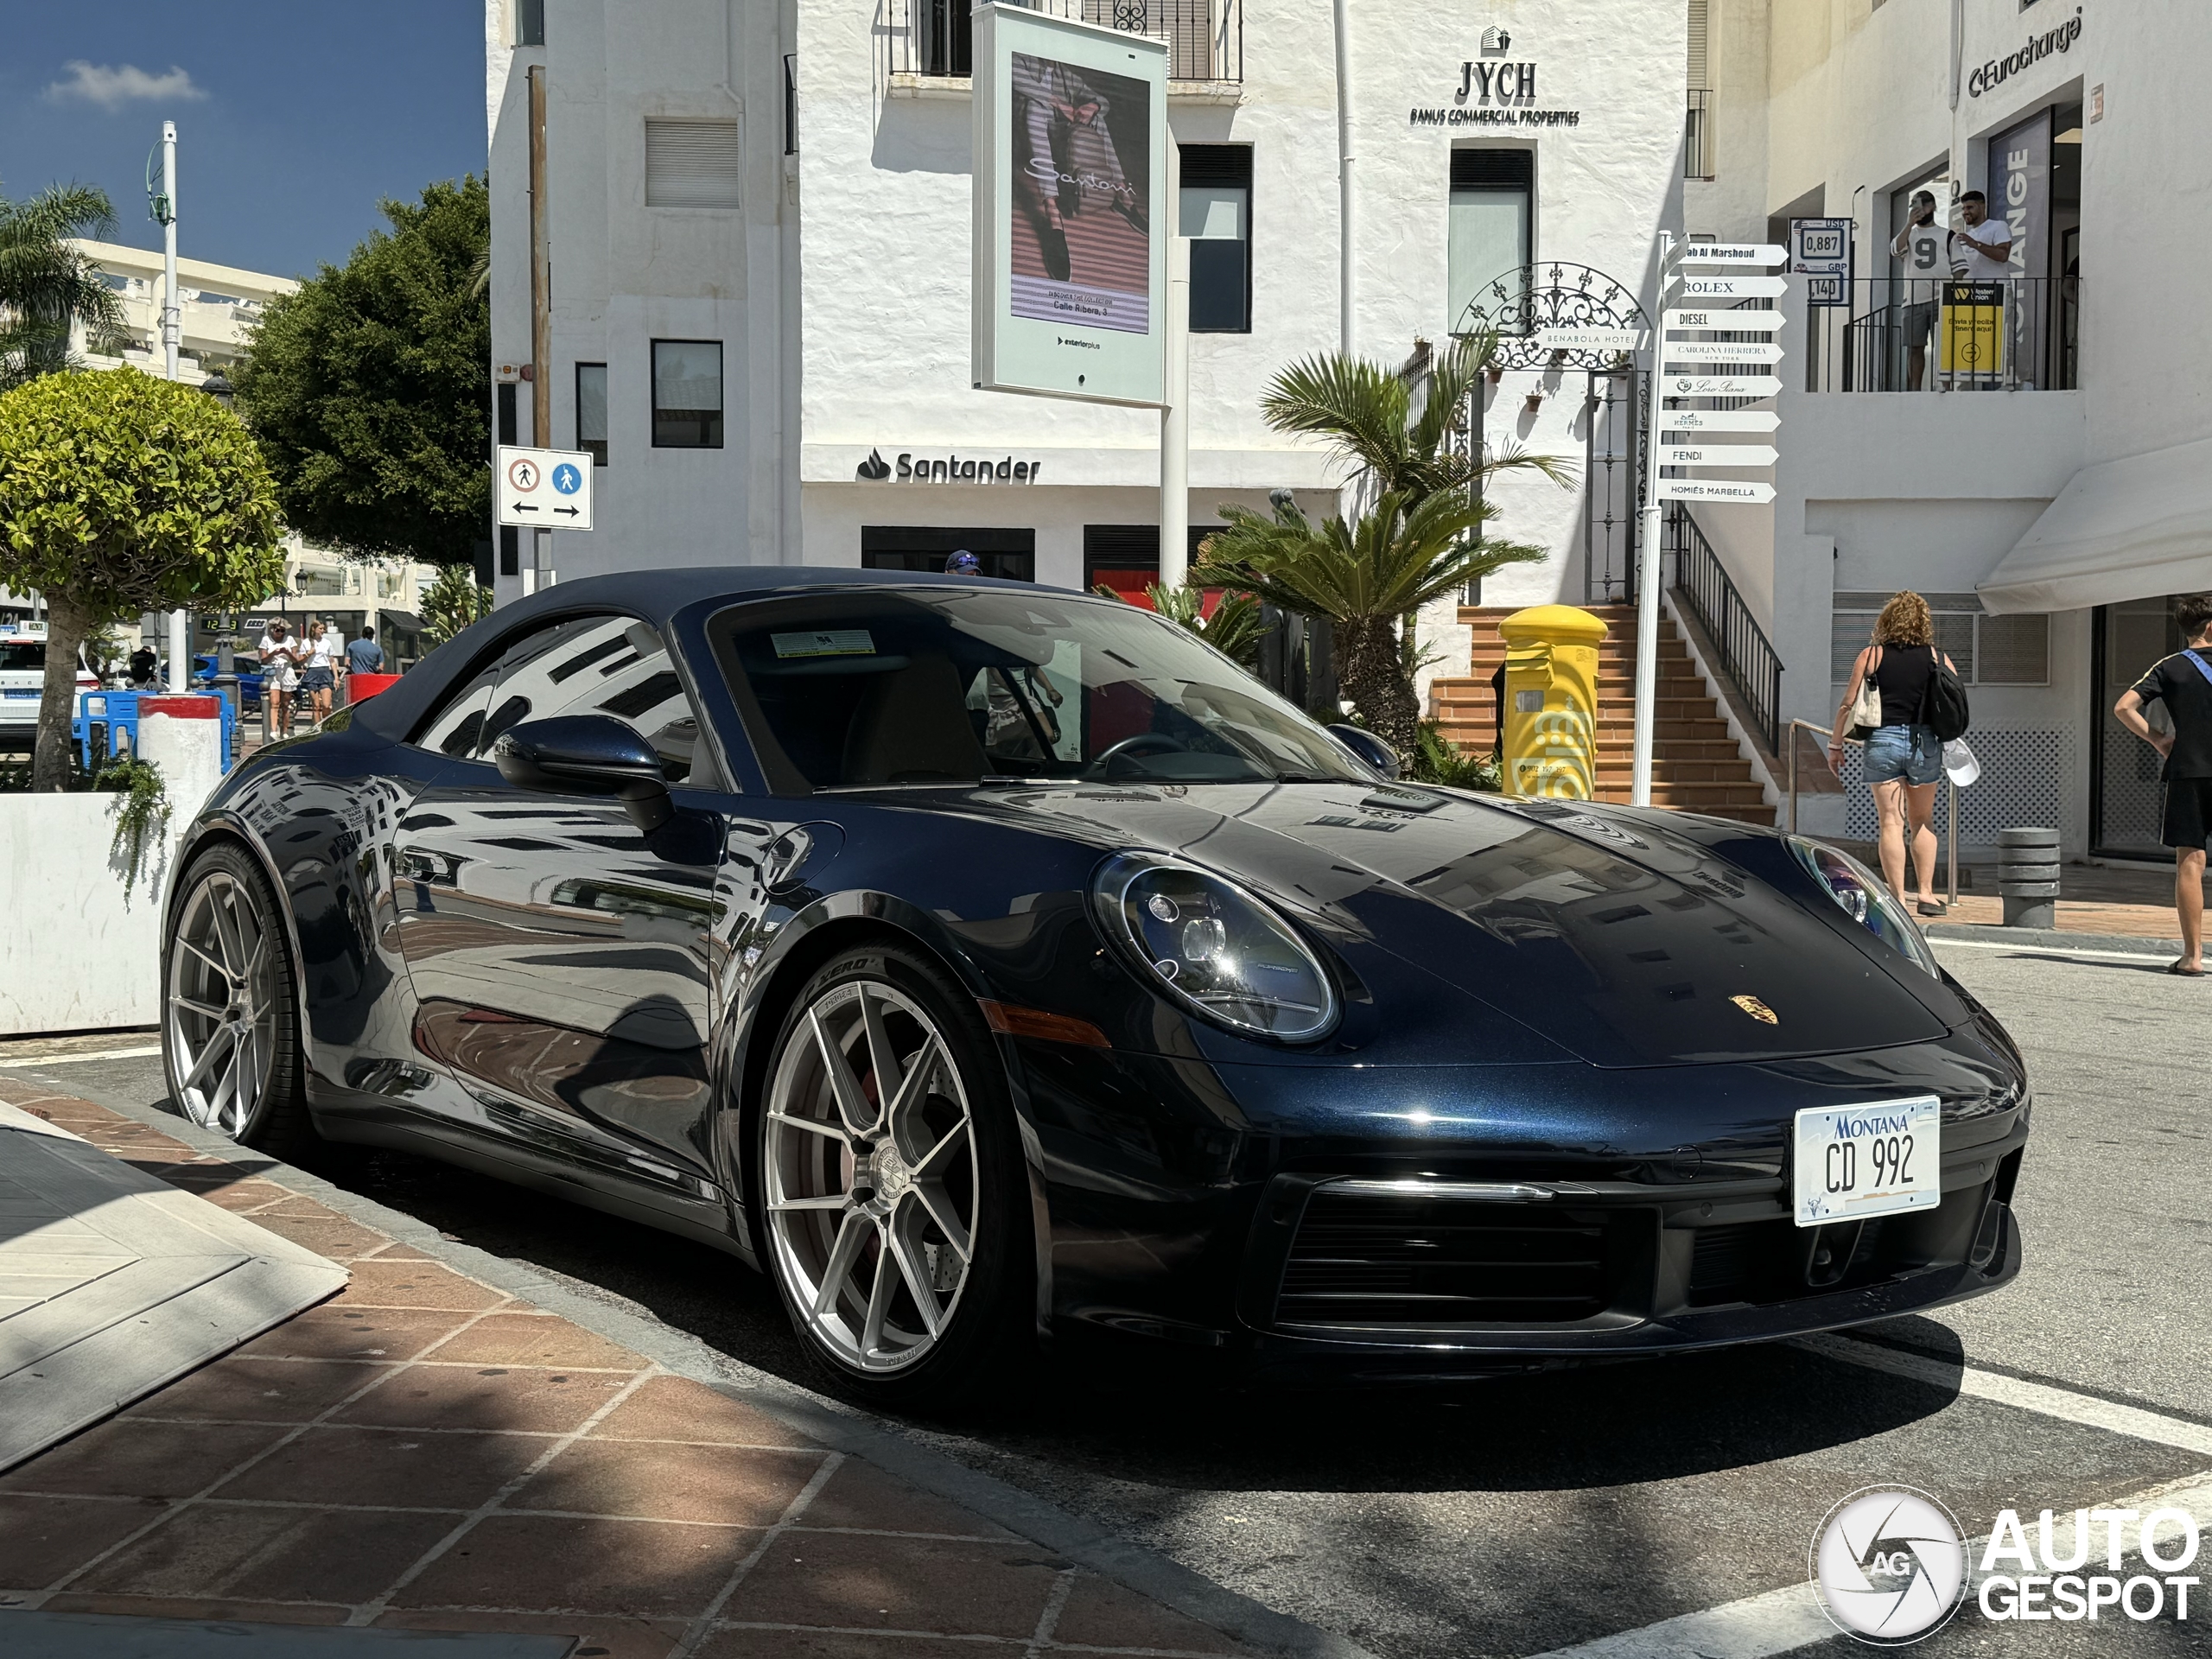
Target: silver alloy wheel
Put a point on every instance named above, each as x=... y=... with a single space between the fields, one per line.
x=222 y=1006
x=871 y=1189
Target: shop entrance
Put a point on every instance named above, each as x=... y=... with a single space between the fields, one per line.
x=1009 y=555
x=2123 y=791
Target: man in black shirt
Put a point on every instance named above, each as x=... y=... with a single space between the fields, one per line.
x=2183 y=682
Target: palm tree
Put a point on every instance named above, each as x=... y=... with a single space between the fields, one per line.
x=1233 y=629
x=47 y=287
x=1363 y=575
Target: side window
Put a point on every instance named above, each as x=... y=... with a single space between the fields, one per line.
x=613 y=666
x=458 y=727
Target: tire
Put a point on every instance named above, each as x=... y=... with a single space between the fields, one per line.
x=230 y=1009
x=899 y=1240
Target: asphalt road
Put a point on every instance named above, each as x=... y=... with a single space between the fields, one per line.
x=1519 y=1517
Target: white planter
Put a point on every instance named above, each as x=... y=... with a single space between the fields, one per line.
x=78 y=952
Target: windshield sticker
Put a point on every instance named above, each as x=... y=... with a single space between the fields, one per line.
x=825 y=642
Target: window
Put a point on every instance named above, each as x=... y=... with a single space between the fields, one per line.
x=530 y=23
x=1216 y=215
x=687 y=394
x=1492 y=193
x=1985 y=649
x=691 y=164
x=1009 y=555
x=604 y=664
x=862 y=690
x=1126 y=558
x=591 y=410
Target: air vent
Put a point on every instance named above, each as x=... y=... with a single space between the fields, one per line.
x=691 y=164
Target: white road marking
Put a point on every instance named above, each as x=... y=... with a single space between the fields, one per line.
x=2087 y=1410
x=8 y=1059
x=2059 y=950
x=1784 y=1620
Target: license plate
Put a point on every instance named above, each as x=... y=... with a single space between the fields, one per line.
x=28 y=693
x=1873 y=1159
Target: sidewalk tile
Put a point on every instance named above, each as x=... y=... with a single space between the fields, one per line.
x=385 y=1466
x=356 y=1333
x=1102 y=1614
x=215 y=1610
x=236 y=1389
x=43 y=1538
x=236 y=1195
x=598 y=1638
x=414 y=1284
x=861 y=1495
x=652 y=1569
x=339 y=1239
x=898 y=1584
x=271 y=1555
x=537 y=1339
x=459 y=1396
x=676 y=1408
x=721 y=1485
x=125 y=1457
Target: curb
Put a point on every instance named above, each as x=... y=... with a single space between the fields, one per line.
x=2051 y=938
x=844 y=1427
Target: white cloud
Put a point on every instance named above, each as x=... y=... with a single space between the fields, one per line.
x=112 y=87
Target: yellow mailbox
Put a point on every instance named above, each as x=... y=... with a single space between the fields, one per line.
x=1551 y=701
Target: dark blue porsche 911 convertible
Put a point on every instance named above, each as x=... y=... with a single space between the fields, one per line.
x=991 y=964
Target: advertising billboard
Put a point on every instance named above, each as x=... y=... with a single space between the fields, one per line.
x=1070 y=210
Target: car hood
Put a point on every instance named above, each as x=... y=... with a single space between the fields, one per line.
x=1623 y=939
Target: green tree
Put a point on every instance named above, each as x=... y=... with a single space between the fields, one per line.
x=120 y=494
x=1363 y=575
x=366 y=387
x=46 y=286
x=452 y=602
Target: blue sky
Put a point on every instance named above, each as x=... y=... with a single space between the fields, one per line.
x=292 y=118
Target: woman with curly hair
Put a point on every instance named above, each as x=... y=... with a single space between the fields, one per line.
x=1905 y=759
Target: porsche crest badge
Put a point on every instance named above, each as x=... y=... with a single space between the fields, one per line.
x=1757 y=1010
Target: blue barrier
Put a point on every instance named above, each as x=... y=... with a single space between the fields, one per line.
x=117 y=713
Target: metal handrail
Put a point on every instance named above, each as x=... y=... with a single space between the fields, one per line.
x=1745 y=659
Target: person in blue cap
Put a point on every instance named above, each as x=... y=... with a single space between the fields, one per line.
x=963 y=563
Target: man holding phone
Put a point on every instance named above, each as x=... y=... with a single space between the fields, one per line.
x=1924 y=246
x=1982 y=248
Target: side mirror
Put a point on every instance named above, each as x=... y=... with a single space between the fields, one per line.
x=586 y=754
x=1371 y=748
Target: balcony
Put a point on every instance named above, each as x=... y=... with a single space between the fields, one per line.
x=931 y=42
x=1900 y=333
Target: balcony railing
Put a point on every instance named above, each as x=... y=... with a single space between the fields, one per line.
x=1697 y=135
x=1205 y=38
x=1920 y=335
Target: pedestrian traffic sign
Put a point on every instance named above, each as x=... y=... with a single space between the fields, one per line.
x=549 y=489
x=1715 y=489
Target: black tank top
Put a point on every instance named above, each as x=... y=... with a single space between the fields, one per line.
x=1902 y=679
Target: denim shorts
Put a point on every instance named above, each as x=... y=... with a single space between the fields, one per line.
x=1912 y=753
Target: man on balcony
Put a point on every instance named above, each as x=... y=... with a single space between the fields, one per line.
x=1924 y=246
x=1982 y=248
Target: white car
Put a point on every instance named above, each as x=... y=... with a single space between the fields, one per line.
x=22 y=681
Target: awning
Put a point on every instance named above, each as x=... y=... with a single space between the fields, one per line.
x=2121 y=530
x=405 y=621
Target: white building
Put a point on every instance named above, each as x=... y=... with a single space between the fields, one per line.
x=774 y=204
x=2051 y=517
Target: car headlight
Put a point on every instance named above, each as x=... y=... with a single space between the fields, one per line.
x=1867 y=899
x=1214 y=948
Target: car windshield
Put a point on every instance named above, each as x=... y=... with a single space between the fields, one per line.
x=22 y=655
x=863 y=689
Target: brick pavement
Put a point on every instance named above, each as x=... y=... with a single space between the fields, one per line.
x=426 y=1450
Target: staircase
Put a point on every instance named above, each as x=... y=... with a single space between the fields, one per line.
x=1696 y=765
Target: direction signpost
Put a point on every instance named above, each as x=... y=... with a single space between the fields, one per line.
x=1699 y=303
